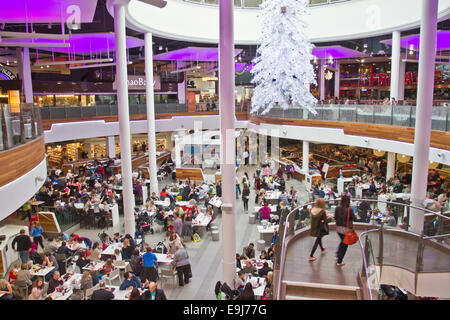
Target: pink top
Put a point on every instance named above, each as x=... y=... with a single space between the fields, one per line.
x=265 y=213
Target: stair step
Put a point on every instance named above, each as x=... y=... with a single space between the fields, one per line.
x=303 y=298
x=306 y=290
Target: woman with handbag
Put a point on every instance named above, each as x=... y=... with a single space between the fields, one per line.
x=319 y=226
x=344 y=222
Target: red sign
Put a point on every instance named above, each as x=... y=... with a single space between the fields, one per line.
x=384 y=79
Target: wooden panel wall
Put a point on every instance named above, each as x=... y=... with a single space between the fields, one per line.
x=16 y=162
x=48 y=222
x=439 y=139
x=194 y=174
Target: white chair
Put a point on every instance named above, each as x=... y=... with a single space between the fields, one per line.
x=89 y=292
x=115 y=274
x=168 y=274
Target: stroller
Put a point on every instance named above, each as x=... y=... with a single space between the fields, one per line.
x=102 y=236
x=224 y=288
x=160 y=248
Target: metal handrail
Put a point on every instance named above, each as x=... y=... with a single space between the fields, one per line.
x=283 y=244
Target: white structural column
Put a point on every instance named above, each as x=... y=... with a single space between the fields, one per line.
x=228 y=141
x=151 y=132
x=390 y=169
x=425 y=87
x=182 y=86
x=23 y=55
x=337 y=79
x=110 y=147
x=124 y=118
x=305 y=156
x=322 y=80
x=395 y=65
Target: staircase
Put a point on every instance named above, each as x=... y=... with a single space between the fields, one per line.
x=318 y=291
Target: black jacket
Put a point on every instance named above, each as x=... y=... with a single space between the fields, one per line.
x=23 y=243
x=341 y=217
x=102 y=294
x=160 y=295
x=264 y=271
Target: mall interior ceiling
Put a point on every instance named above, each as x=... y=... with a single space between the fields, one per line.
x=103 y=22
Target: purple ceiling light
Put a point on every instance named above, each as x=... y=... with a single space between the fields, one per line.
x=412 y=42
x=192 y=54
x=85 y=43
x=47 y=11
x=336 y=52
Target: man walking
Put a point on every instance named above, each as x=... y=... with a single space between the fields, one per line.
x=23 y=245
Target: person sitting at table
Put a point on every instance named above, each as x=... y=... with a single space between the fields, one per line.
x=174 y=241
x=264 y=212
x=269 y=281
x=149 y=261
x=136 y=263
x=24 y=274
x=250 y=268
x=264 y=270
x=238 y=261
x=86 y=281
x=271 y=252
x=192 y=212
x=247 y=293
x=54 y=282
x=96 y=252
x=6 y=290
x=63 y=237
x=102 y=293
x=78 y=245
x=77 y=294
x=50 y=261
x=36 y=294
x=118 y=237
x=391 y=222
x=263 y=255
x=107 y=267
x=106 y=243
x=163 y=194
x=127 y=250
x=130 y=281
x=153 y=293
x=117 y=255
x=248 y=252
x=239 y=281
x=52 y=245
x=82 y=260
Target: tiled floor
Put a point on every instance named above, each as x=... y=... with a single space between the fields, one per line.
x=206 y=255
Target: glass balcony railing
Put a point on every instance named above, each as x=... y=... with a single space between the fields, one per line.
x=248 y=4
x=382 y=245
x=403 y=116
x=19 y=124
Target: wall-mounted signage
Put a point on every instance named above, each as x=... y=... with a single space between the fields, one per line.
x=139 y=83
x=6 y=74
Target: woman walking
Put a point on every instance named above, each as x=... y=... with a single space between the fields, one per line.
x=245 y=196
x=318 y=217
x=343 y=215
x=37 y=232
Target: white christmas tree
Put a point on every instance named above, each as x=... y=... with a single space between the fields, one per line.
x=283 y=71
